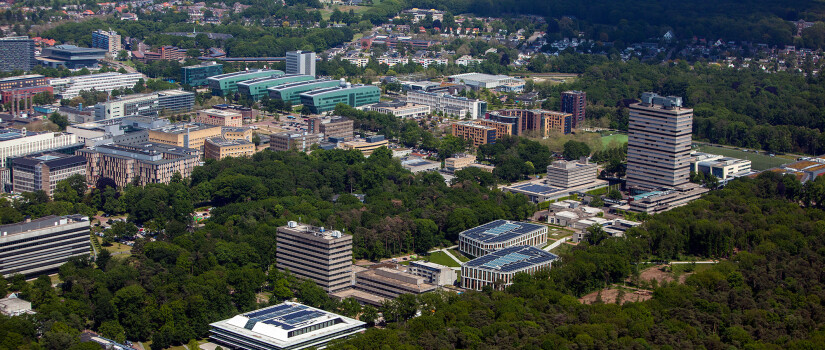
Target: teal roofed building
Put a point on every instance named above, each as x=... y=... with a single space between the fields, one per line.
x=291 y=92
x=256 y=88
x=227 y=84
x=324 y=100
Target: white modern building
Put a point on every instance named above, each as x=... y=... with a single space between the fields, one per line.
x=449 y=104
x=284 y=326
x=70 y=87
x=144 y=104
x=724 y=168
x=42 y=245
x=433 y=273
x=300 y=62
x=15 y=143
x=499 y=234
x=567 y=174
x=498 y=268
x=400 y=109
x=489 y=81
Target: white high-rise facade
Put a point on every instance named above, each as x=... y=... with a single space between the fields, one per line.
x=300 y=62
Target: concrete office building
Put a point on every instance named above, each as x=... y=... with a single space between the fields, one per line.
x=40 y=246
x=498 y=268
x=475 y=133
x=70 y=87
x=219 y=117
x=115 y=128
x=498 y=234
x=659 y=138
x=187 y=135
x=197 y=75
x=227 y=84
x=300 y=62
x=291 y=92
x=400 y=109
x=367 y=145
x=286 y=326
x=15 y=143
x=220 y=148
x=433 y=273
x=567 y=174
x=479 y=81
x=17 y=53
x=142 y=104
x=149 y=162
x=449 y=104
x=574 y=102
x=324 y=100
x=71 y=57
x=315 y=253
x=340 y=128
x=256 y=88
x=502 y=129
x=724 y=168
x=109 y=41
x=301 y=142
x=390 y=283
x=44 y=171
x=175 y=101
x=659 y=201
x=539 y=122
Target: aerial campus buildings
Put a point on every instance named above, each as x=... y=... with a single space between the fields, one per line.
x=497 y=268
x=563 y=178
x=227 y=84
x=449 y=104
x=40 y=246
x=658 y=154
x=199 y=74
x=291 y=92
x=70 y=87
x=284 y=326
x=482 y=240
x=148 y=162
x=324 y=100
x=257 y=88
x=43 y=171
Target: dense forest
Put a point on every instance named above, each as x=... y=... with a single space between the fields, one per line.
x=777 y=112
x=765 y=294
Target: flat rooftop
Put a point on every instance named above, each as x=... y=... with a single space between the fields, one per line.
x=244 y=73
x=220 y=112
x=482 y=77
x=500 y=231
x=538 y=189
x=307 y=83
x=221 y=142
x=39 y=224
x=21 y=77
x=184 y=128
x=274 y=77
x=336 y=89
x=512 y=259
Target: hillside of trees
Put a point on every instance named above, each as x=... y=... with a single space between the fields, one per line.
x=777 y=112
x=767 y=293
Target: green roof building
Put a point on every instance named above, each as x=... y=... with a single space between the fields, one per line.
x=196 y=75
x=292 y=92
x=256 y=88
x=227 y=84
x=323 y=100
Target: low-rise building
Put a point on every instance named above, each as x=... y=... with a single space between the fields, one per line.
x=366 y=145
x=664 y=199
x=42 y=245
x=724 y=168
x=539 y=122
x=71 y=57
x=390 y=283
x=567 y=174
x=340 y=128
x=219 y=148
x=433 y=273
x=417 y=165
x=459 y=162
x=291 y=92
x=15 y=306
x=227 y=84
x=301 y=142
x=145 y=163
x=70 y=87
x=487 y=81
x=256 y=88
x=475 y=134
x=400 y=109
x=219 y=117
x=43 y=171
x=498 y=234
x=286 y=326
x=448 y=104
x=324 y=100
x=197 y=75
x=186 y=135
x=498 y=268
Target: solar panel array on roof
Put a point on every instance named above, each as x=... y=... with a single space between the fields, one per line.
x=537 y=188
x=512 y=259
x=500 y=231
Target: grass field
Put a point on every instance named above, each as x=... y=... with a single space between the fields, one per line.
x=441 y=258
x=562 y=248
x=617 y=138
x=758 y=161
x=459 y=255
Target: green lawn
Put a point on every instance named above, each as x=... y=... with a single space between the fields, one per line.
x=758 y=161
x=561 y=249
x=441 y=258
x=459 y=255
x=615 y=138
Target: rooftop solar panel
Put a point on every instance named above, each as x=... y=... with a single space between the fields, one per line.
x=513 y=259
x=500 y=231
